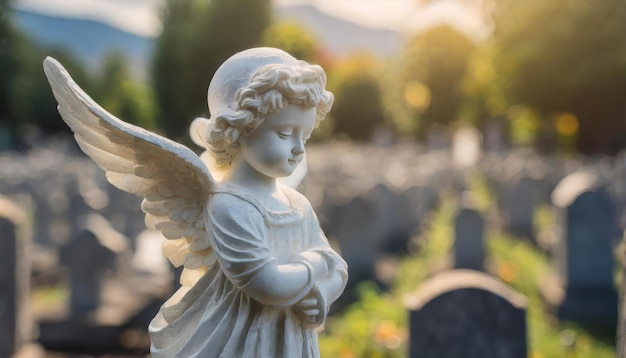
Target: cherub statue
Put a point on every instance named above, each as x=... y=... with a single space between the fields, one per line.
x=259 y=275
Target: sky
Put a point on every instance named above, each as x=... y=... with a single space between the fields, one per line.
x=141 y=17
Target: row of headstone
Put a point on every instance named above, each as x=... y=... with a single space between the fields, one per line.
x=381 y=222
x=581 y=288
x=60 y=185
x=111 y=292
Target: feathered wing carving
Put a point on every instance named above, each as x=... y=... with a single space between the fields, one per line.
x=173 y=181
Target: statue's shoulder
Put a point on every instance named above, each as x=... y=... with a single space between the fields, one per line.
x=291 y=192
x=298 y=200
x=230 y=198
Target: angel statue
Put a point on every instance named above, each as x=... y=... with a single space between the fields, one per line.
x=259 y=275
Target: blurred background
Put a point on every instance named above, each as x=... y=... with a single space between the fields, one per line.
x=486 y=135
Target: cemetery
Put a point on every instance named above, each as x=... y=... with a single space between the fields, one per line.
x=415 y=230
x=462 y=193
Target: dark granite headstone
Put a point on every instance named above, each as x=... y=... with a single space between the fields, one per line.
x=469 y=246
x=413 y=206
x=358 y=237
x=469 y=314
x=584 y=255
x=519 y=207
x=15 y=323
x=621 y=324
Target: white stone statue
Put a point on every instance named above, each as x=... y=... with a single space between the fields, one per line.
x=259 y=275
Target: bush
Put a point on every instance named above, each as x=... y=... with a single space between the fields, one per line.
x=357 y=111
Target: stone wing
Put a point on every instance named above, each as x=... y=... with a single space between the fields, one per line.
x=173 y=181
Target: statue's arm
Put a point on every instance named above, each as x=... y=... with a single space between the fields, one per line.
x=323 y=258
x=328 y=287
x=236 y=232
x=334 y=282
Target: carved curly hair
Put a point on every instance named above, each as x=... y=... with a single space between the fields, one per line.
x=270 y=88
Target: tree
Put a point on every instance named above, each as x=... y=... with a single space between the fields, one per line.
x=172 y=77
x=118 y=93
x=357 y=110
x=292 y=38
x=565 y=59
x=8 y=66
x=198 y=35
x=25 y=96
x=427 y=82
x=32 y=99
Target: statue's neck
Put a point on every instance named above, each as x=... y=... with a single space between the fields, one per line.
x=242 y=174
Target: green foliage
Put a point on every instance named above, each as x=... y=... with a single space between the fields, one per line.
x=357 y=110
x=25 y=95
x=198 y=35
x=375 y=326
x=129 y=100
x=180 y=90
x=31 y=96
x=293 y=38
x=425 y=86
x=563 y=56
x=115 y=90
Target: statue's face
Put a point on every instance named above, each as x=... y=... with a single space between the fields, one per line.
x=276 y=147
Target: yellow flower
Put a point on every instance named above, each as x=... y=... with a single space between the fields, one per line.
x=507 y=272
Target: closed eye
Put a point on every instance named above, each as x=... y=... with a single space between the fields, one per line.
x=285 y=133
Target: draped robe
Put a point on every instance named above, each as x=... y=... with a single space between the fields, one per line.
x=216 y=317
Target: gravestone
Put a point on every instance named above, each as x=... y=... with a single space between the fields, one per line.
x=494 y=132
x=469 y=314
x=88 y=260
x=392 y=222
x=358 y=237
x=584 y=255
x=519 y=208
x=621 y=324
x=469 y=246
x=414 y=204
x=124 y=211
x=15 y=323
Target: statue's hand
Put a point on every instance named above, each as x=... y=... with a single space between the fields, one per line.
x=312 y=309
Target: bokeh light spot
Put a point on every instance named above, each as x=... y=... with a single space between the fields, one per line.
x=484 y=73
x=566 y=124
x=417 y=95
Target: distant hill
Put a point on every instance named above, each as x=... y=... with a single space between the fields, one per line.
x=91 y=41
x=339 y=36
